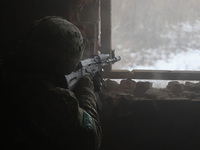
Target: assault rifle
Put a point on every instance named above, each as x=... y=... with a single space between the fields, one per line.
x=94 y=67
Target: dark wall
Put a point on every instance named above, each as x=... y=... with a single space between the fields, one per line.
x=16 y=15
x=152 y=125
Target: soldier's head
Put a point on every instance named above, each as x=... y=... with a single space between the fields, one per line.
x=53 y=45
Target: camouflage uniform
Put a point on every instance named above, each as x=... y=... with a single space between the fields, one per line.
x=42 y=113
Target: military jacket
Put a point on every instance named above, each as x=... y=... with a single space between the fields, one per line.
x=41 y=115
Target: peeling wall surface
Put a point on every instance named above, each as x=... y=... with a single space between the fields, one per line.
x=134 y=115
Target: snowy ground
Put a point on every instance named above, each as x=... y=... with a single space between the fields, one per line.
x=183 y=60
x=171 y=57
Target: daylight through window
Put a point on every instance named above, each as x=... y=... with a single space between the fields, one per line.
x=156 y=34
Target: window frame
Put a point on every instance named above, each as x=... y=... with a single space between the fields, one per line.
x=106 y=48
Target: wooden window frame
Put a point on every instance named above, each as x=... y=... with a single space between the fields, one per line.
x=106 y=47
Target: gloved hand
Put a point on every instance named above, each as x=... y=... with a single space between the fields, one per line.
x=85 y=82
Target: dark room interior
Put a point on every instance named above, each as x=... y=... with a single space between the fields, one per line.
x=134 y=115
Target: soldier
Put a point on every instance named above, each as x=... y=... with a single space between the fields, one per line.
x=41 y=113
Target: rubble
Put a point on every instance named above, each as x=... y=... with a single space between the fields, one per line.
x=195 y=87
x=127 y=86
x=175 y=88
x=144 y=90
x=156 y=94
x=119 y=98
x=141 y=88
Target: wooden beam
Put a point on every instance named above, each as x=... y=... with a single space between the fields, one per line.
x=106 y=29
x=153 y=74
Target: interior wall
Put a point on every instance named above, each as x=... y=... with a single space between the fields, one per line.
x=17 y=15
x=151 y=125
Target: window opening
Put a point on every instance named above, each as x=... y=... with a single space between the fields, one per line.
x=157 y=36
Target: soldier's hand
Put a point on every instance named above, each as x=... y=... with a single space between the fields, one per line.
x=85 y=81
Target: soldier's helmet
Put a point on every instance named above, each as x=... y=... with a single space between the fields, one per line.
x=53 y=45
